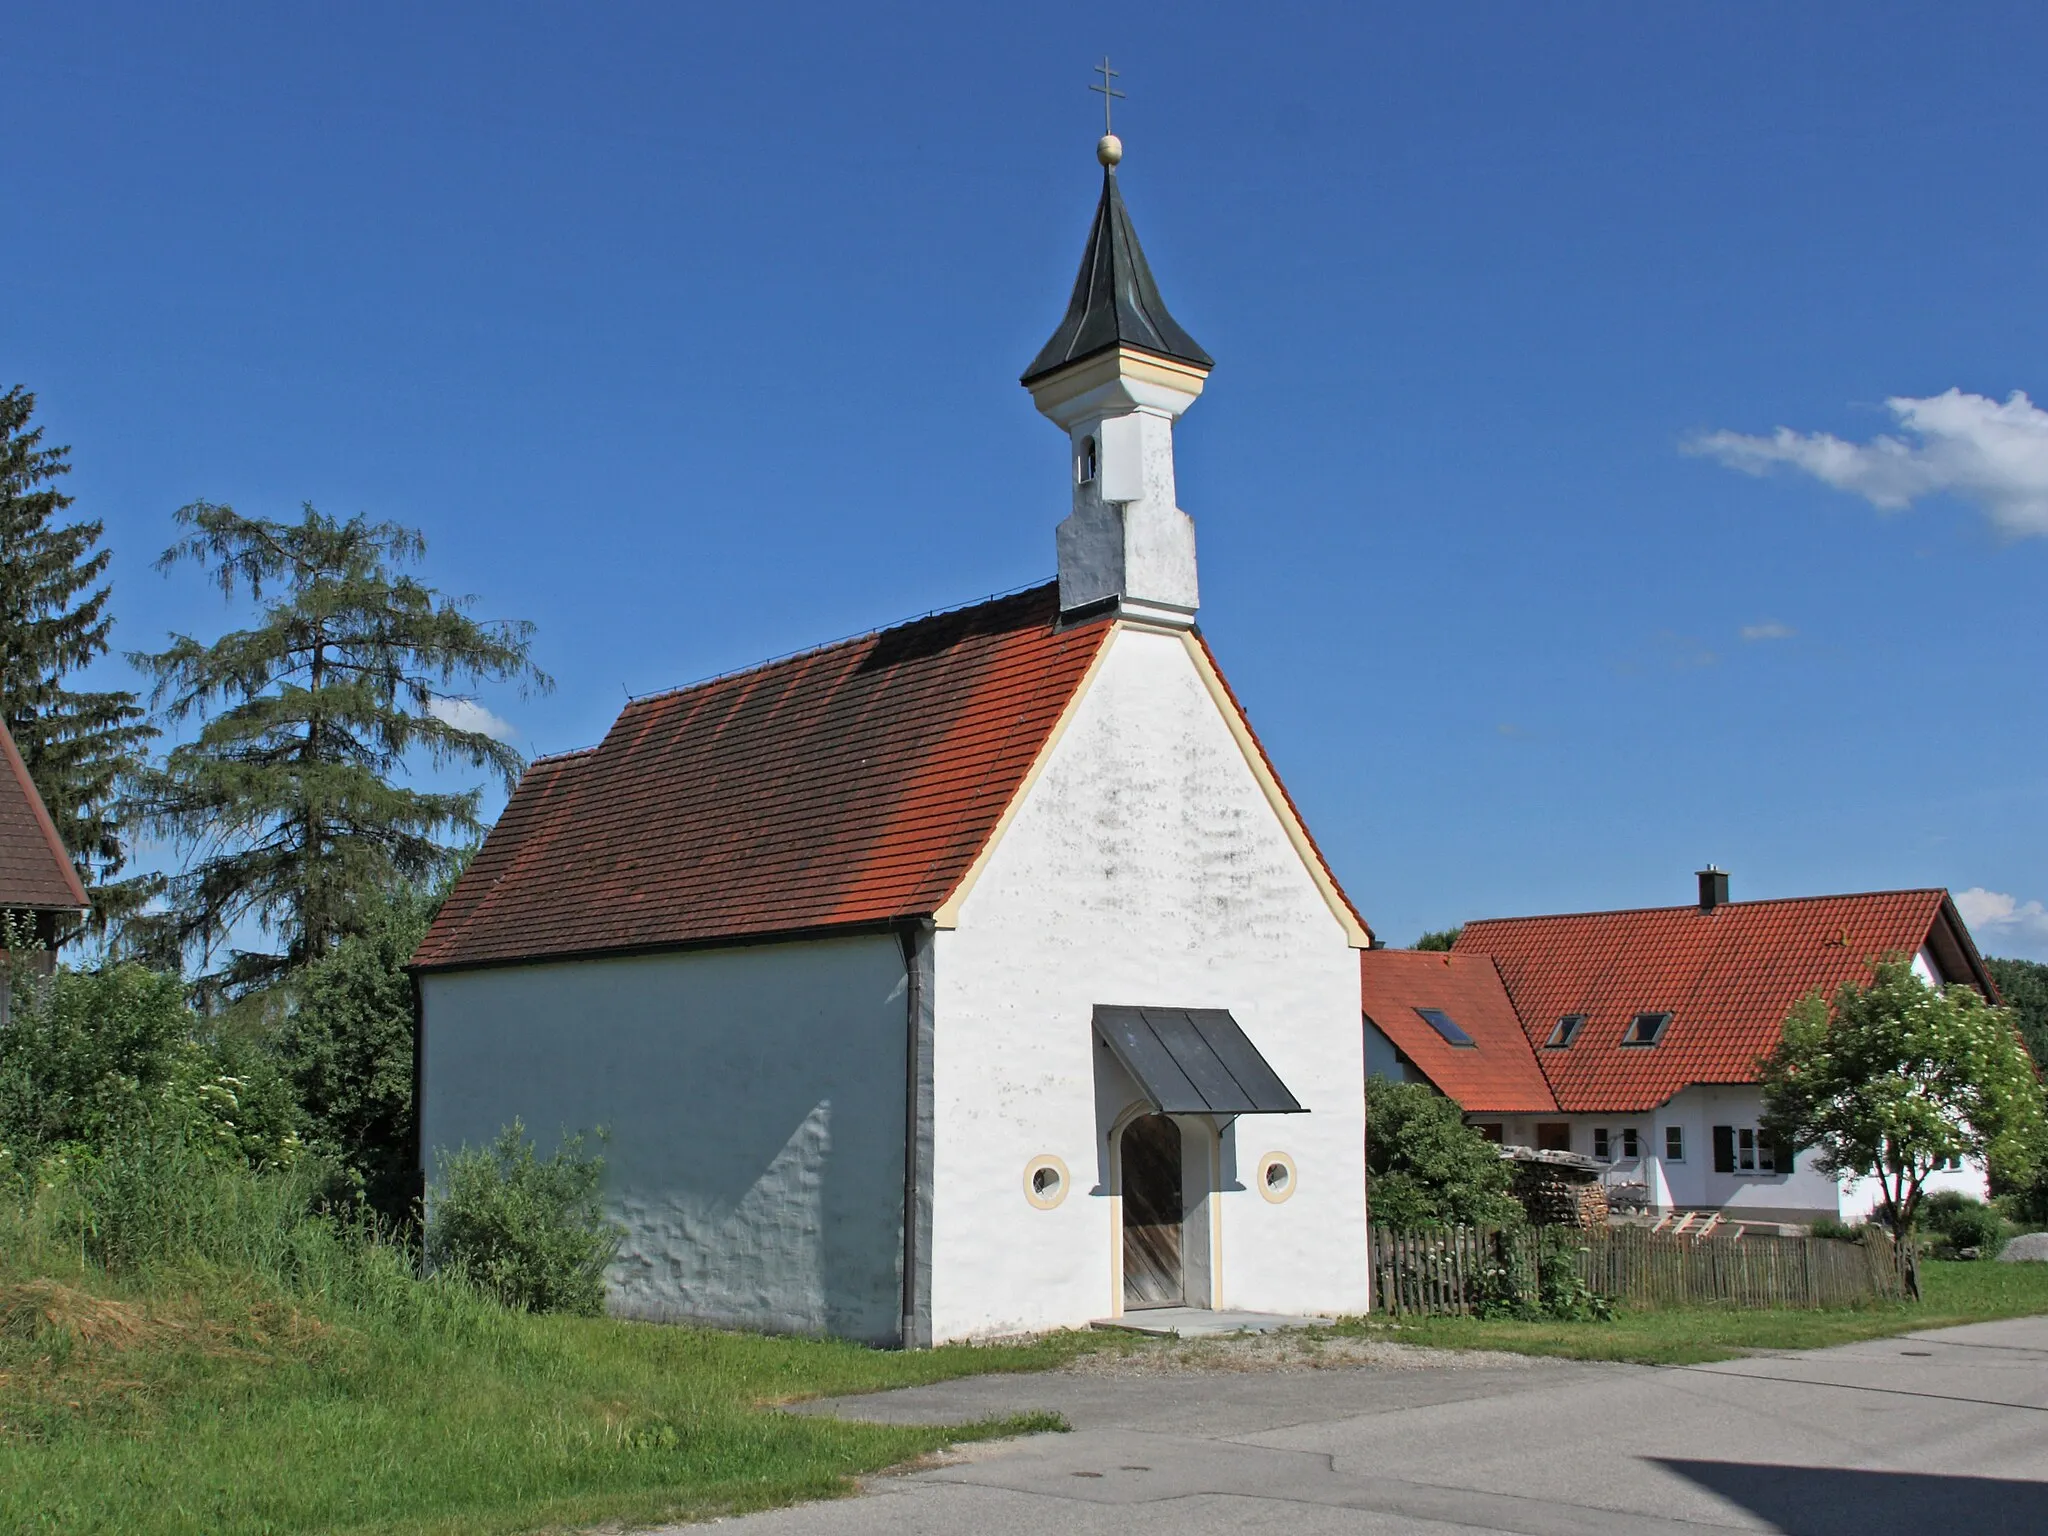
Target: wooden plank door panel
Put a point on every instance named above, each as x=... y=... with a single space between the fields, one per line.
x=1152 y=1205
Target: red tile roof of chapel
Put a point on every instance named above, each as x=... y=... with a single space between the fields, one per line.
x=35 y=871
x=850 y=785
x=1496 y=1074
x=1727 y=977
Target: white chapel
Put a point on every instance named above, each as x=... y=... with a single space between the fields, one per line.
x=970 y=978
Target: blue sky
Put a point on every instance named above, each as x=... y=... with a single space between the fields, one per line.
x=692 y=334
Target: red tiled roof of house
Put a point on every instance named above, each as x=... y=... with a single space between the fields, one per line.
x=35 y=871
x=1727 y=977
x=1496 y=1074
x=849 y=785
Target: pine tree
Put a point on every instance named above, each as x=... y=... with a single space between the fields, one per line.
x=286 y=803
x=79 y=746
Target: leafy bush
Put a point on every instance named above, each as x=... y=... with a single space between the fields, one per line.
x=1534 y=1274
x=1561 y=1291
x=530 y=1231
x=345 y=1042
x=1426 y=1167
x=2023 y=984
x=91 y=1059
x=2027 y=1207
x=1957 y=1222
x=1828 y=1226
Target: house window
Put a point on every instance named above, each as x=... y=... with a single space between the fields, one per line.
x=1084 y=463
x=1566 y=1032
x=1446 y=1026
x=1603 y=1147
x=1553 y=1136
x=1489 y=1132
x=1752 y=1152
x=1631 y=1142
x=1674 y=1143
x=1645 y=1029
x=1744 y=1149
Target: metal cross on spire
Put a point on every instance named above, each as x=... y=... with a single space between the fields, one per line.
x=1108 y=90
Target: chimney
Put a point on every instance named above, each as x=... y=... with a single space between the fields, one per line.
x=1713 y=888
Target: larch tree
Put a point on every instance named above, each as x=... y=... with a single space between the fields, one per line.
x=287 y=803
x=80 y=745
x=1896 y=1079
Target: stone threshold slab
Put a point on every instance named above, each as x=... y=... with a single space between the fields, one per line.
x=1201 y=1323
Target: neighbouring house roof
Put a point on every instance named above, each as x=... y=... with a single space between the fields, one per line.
x=851 y=785
x=35 y=872
x=1115 y=301
x=1496 y=1074
x=1727 y=977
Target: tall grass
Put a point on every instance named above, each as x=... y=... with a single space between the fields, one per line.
x=152 y=1215
x=191 y=1346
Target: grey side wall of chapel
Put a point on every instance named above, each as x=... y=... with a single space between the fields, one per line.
x=918 y=954
x=755 y=1105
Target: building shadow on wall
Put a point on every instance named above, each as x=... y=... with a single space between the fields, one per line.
x=1825 y=1501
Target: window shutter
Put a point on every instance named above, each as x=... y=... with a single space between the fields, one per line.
x=1724 y=1149
x=1781 y=1151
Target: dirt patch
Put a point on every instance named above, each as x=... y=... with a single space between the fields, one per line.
x=37 y=1309
x=1295 y=1351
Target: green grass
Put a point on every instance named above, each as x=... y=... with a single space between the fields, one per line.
x=203 y=1398
x=211 y=1406
x=1951 y=1294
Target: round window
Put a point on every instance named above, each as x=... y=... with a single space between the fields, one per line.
x=1045 y=1182
x=1276 y=1176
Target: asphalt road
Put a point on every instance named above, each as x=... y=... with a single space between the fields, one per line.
x=1940 y=1431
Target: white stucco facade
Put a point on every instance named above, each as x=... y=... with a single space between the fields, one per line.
x=753 y=1103
x=765 y=1107
x=1127 y=539
x=1690 y=1180
x=1145 y=864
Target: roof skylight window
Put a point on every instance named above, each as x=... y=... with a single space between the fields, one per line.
x=1646 y=1029
x=1566 y=1032
x=1445 y=1025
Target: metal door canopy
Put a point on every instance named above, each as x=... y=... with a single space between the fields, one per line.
x=1193 y=1061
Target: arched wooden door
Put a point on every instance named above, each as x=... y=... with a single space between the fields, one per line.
x=1152 y=1206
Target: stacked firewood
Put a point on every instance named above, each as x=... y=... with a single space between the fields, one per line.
x=1559 y=1197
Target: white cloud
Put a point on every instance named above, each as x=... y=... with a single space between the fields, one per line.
x=1969 y=445
x=468 y=715
x=1769 y=629
x=2001 y=920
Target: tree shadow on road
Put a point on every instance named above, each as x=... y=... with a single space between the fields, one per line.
x=1839 y=1501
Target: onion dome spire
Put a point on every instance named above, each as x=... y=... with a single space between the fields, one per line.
x=1116 y=302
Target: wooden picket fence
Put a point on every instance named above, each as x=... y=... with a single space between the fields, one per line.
x=1452 y=1270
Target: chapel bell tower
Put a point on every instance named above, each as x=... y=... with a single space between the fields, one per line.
x=1115 y=375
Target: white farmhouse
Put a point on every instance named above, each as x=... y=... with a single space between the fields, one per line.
x=972 y=977
x=1633 y=1037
